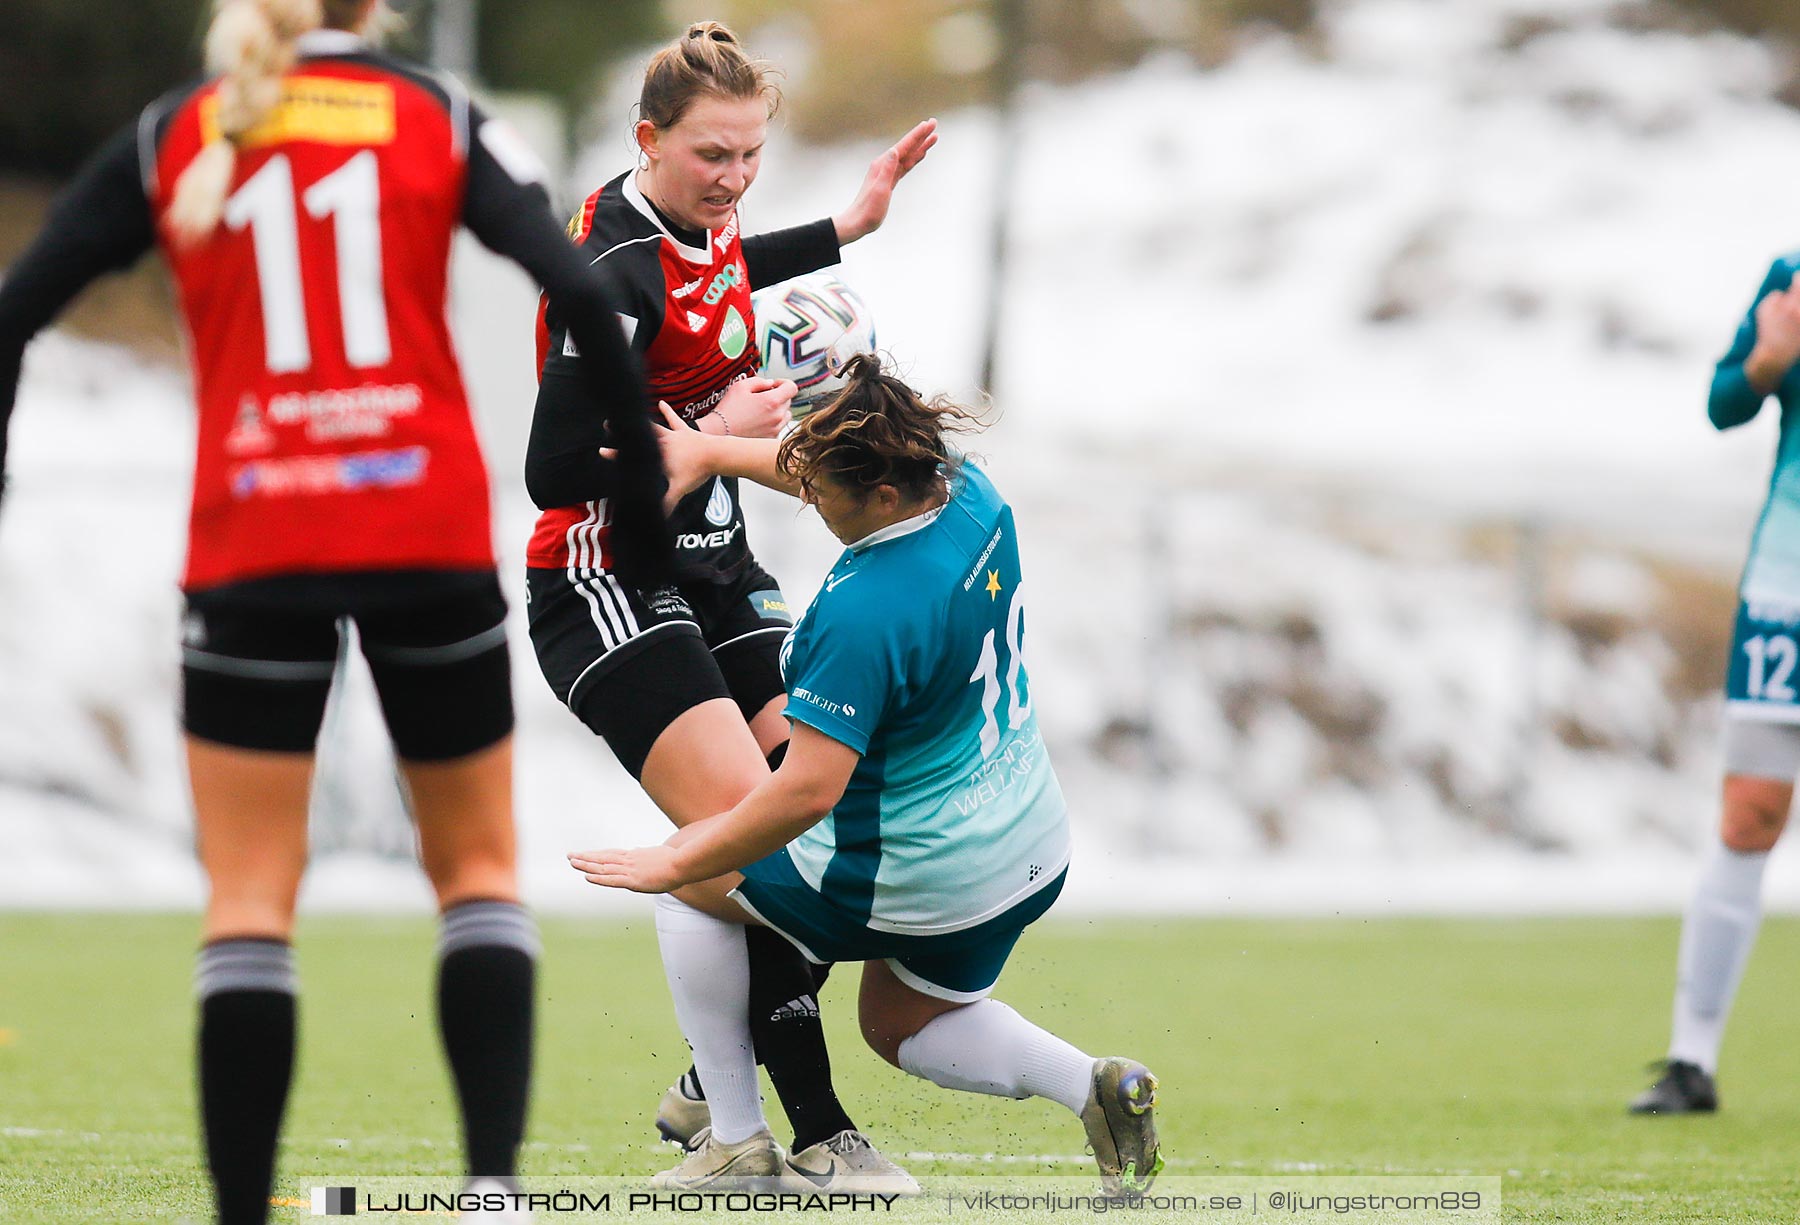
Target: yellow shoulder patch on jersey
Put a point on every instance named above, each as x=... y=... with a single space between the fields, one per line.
x=327 y=110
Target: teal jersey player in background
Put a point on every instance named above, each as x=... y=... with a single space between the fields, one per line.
x=1760 y=363
x=1762 y=709
x=915 y=824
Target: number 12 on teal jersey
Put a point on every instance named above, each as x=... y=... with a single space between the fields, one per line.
x=1765 y=651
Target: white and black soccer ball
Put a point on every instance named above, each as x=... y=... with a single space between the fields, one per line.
x=807 y=329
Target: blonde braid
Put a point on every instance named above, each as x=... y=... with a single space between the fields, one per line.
x=251 y=42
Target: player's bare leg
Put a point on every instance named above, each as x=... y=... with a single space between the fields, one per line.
x=770 y=727
x=250 y=818
x=487 y=947
x=703 y=763
x=1717 y=934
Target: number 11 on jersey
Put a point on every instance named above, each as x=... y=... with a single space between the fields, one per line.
x=351 y=197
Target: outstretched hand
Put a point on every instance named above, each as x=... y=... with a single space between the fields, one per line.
x=870 y=208
x=647 y=869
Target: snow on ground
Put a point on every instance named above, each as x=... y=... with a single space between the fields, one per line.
x=1302 y=356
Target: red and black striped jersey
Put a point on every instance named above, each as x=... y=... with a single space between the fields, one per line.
x=684 y=304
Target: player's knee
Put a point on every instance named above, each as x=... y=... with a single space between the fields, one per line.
x=1754 y=814
x=885 y=1027
x=1751 y=829
x=883 y=1038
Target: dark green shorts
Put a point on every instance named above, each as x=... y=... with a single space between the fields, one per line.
x=959 y=965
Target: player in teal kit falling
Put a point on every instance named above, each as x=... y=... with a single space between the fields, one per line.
x=1762 y=709
x=915 y=824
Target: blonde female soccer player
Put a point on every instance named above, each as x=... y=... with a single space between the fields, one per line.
x=305 y=199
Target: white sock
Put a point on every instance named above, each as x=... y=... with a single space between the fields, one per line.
x=986 y=1047
x=1716 y=938
x=709 y=978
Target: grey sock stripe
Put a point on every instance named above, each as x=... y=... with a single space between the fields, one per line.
x=479 y=924
x=245 y=965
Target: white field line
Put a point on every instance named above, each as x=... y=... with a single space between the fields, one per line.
x=1250 y=1168
x=1082 y=1159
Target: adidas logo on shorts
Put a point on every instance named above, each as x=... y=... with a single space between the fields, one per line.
x=804 y=1006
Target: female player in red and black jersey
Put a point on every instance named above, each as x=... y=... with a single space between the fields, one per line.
x=306 y=201
x=684 y=681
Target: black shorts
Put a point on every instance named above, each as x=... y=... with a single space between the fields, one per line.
x=258 y=659
x=629 y=663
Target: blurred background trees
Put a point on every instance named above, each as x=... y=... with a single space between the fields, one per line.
x=73 y=70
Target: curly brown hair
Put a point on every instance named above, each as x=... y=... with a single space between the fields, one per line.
x=876 y=431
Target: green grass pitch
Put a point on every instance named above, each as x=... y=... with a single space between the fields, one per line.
x=1337 y=1047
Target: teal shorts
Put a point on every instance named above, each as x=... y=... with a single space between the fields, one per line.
x=960 y=965
x=1763 y=681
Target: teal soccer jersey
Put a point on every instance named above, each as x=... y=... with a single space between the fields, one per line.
x=1762 y=682
x=1772 y=571
x=910 y=654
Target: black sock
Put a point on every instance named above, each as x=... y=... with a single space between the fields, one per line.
x=246 y=1062
x=790 y=1042
x=486 y=975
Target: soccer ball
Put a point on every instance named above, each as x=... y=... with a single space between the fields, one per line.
x=806 y=330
